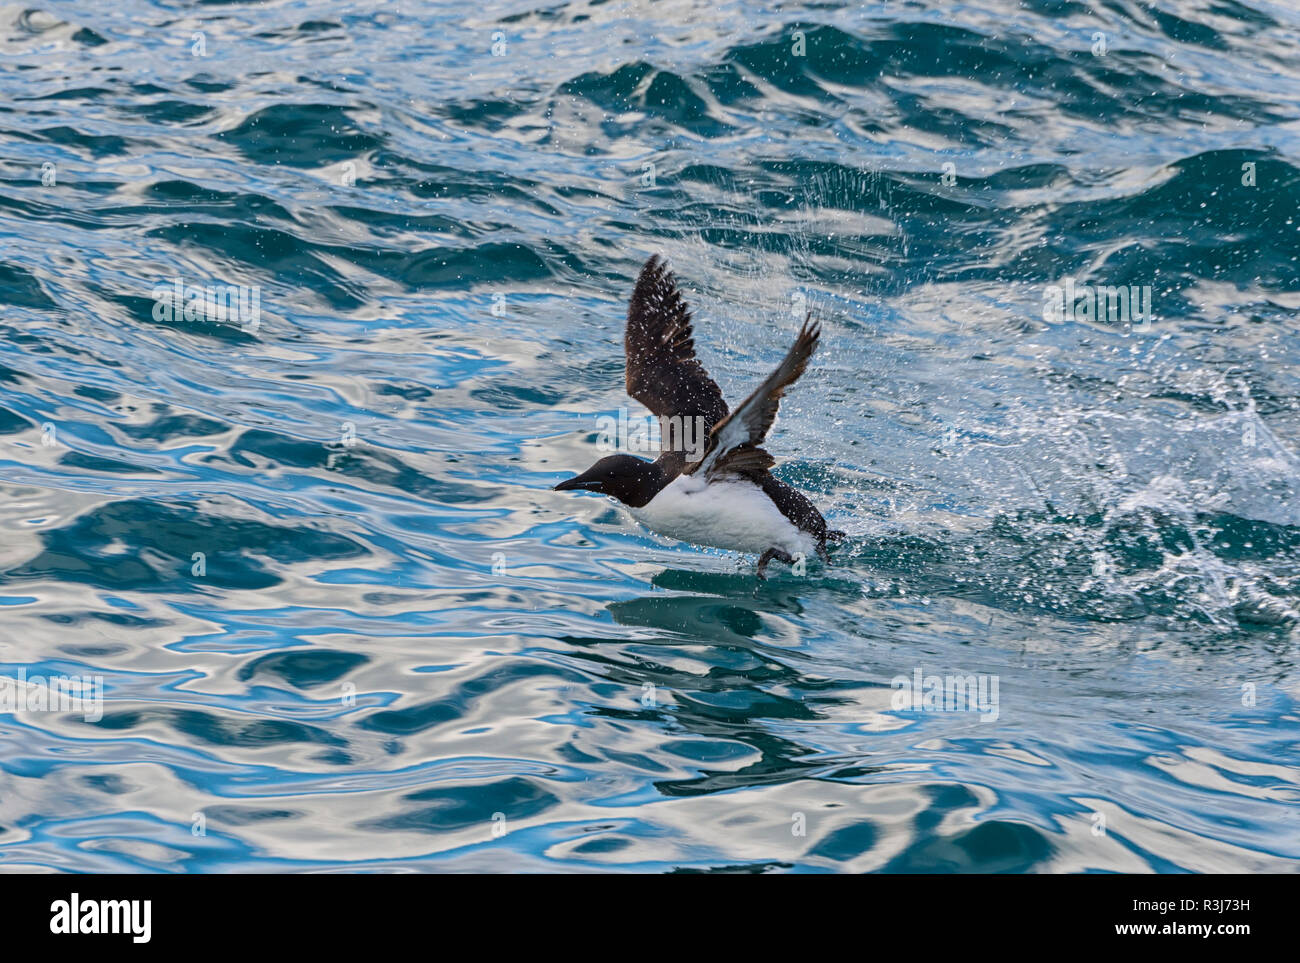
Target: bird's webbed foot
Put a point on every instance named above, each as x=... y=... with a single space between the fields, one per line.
x=773 y=553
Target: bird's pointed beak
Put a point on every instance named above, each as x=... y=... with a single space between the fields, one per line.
x=578 y=483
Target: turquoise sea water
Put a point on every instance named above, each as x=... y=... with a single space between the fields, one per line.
x=341 y=620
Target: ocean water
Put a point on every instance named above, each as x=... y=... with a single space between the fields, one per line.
x=308 y=545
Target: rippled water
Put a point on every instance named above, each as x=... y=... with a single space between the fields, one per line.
x=340 y=617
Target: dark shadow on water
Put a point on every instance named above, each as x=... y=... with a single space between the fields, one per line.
x=730 y=686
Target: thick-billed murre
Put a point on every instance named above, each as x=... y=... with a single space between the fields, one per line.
x=727 y=499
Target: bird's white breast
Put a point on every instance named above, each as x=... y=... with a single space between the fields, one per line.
x=733 y=514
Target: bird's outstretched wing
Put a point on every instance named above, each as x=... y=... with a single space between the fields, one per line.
x=734 y=443
x=662 y=370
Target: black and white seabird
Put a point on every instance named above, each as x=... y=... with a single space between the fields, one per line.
x=727 y=498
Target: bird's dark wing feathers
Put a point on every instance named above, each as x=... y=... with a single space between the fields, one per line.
x=662 y=370
x=734 y=443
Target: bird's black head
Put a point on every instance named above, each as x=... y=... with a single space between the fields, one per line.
x=631 y=480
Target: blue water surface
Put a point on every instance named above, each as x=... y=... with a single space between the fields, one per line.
x=340 y=618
